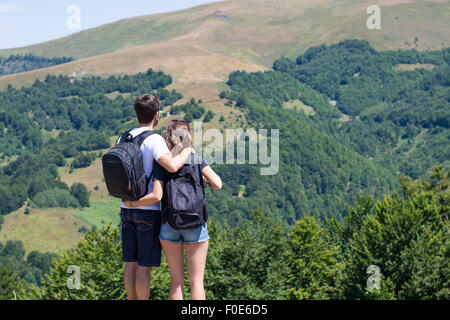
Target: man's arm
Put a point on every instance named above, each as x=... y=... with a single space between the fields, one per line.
x=173 y=164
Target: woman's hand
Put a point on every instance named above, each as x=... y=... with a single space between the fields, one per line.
x=205 y=181
x=212 y=179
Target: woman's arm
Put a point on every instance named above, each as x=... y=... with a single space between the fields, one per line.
x=154 y=197
x=212 y=178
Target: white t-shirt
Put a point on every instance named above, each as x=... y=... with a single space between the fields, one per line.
x=152 y=149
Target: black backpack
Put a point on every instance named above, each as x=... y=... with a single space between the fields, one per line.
x=123 y=168
x=184 y=202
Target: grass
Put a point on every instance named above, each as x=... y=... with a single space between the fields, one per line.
x=410 y=67
x=50 y=230
x=101 y=213
x=92 y=177
x=57 y=229
x=300 y=106
x=242 y=189
x=115 y=94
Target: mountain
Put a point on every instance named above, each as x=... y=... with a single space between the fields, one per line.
x=394 y=104
x=200 y=46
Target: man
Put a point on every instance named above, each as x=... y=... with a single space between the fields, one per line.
x=141 y=247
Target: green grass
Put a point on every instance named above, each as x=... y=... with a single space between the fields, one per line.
x=114 y=36
x=101 y=213
x=409 y=67
x=46 y=230
x=242 y=189
x=374 y=110
x=259 y=30
x=300 y=106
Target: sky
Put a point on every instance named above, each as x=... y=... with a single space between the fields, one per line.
x=25 y=22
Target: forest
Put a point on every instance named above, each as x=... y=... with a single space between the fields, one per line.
x=398 y=117
x=363 y=178
x=405 y=236
x=28 y=62
x=385 y=121
x=61 y=118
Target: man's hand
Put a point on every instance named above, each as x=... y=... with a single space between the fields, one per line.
x=173 y=164
x=128 y=203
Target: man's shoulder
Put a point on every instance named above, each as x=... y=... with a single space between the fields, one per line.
x=156 y=146
x=154 y=139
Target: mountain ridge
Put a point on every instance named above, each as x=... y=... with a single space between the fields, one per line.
x=202 y=45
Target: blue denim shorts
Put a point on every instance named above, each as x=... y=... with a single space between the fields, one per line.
x=199 y=234
x=140 y=243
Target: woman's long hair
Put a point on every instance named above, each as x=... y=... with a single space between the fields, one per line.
x=178 y=137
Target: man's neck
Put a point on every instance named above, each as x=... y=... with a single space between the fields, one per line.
x=148 y=126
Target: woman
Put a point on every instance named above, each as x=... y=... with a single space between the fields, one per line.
x=194 y=241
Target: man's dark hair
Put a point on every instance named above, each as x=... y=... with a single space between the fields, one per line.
x=146 y=106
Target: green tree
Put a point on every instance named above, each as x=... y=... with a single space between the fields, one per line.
x=245 y=262
x=81 y=193
x=209 y=116
x=55 y=198
x=407 y=238
x=188 y=116
x=313 y=264
x=10 y=285
x=99 y=257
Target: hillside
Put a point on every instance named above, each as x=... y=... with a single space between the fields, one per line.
x=23 y=63
x=257 y=29
x=200 y=46
x=395 y=103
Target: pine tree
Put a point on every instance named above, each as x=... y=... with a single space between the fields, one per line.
x=10 y=285
x=99 y=259
x=313 y=263
x=407 y=238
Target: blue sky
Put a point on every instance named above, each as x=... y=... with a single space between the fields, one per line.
x=25 y=22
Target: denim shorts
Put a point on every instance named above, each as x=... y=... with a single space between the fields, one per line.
x=199 y=234
x=140 y=231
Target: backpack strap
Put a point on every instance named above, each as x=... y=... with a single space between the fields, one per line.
x=123 y=137
x=139 y=139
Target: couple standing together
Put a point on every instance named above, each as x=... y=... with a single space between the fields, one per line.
x=144 y=227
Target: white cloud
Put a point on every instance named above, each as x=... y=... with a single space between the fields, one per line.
x=8 y=8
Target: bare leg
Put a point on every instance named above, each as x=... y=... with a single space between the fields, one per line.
x=196 y=257
x=129 y=280
x=175 y=260
x=143 y=282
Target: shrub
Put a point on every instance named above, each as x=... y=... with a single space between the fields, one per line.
x=209 y=116
x=82 y=161
x=80 y=192
x=55 y=198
